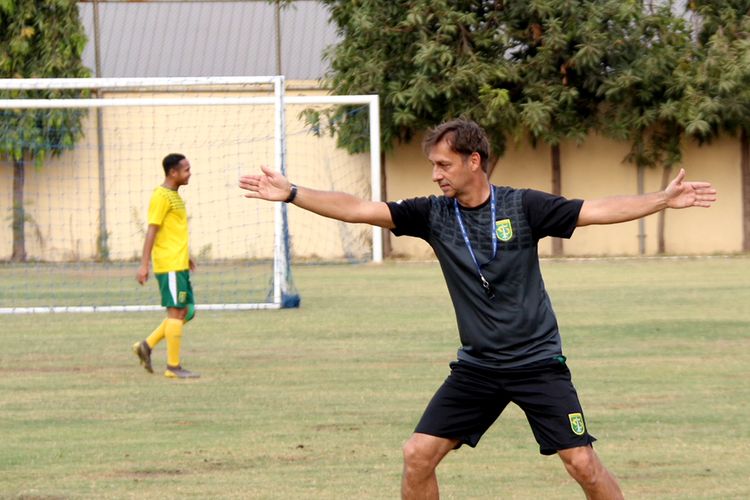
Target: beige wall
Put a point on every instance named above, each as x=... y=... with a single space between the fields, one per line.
x=68 y=182
x=222 y=143
x=596 y=169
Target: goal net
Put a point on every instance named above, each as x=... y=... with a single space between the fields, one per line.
x=77 y=173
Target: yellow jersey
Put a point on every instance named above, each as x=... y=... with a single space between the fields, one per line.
x=167 y=210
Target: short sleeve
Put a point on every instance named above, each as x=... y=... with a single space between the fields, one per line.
x=411 y=217
x=157 y=209
x=551 y=215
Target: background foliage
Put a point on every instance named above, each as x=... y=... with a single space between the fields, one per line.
x=38 y=39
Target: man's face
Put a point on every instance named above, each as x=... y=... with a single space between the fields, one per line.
x=450 y=170
x=181 y=173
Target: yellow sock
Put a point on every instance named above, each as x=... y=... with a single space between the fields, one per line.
x=173 y=332
x=157 y=335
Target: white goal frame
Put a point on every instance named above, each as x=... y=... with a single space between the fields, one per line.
x=281 y=251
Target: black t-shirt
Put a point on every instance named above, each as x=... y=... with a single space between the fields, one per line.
x=517 y=326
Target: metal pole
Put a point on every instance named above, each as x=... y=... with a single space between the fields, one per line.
x=281 y=250
x=377 y=188
x=277 y=16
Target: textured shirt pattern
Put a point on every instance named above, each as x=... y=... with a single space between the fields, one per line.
x=518 y=326
x=167 y=210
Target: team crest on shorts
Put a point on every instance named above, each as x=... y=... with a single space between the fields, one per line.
x=576 y=423
x=181 y=297
x=503 y=230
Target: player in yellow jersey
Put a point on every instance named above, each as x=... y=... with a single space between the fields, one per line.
x=167 y=244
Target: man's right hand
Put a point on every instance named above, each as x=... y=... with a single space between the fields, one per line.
x=142 y=274
x=270 y=185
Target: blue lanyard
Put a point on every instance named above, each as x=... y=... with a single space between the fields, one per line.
x=485 y=283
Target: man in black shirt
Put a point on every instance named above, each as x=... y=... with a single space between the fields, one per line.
x=485 y=239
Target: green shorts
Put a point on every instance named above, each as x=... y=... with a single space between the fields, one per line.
x=176 y=290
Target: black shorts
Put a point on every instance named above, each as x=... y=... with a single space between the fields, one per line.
x=472 y=398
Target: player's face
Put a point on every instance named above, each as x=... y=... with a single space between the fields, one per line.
x=182 y=172
x=450 y=170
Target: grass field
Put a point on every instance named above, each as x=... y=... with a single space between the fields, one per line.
x=314 y=403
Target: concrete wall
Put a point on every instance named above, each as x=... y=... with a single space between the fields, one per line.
x=596 y=169
x=222 y=142
x=62 y=198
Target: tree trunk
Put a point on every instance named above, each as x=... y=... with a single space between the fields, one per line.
x=19 y=215
x=745 y=179
x=557 y=243
x=641 y=221
x=666 y=176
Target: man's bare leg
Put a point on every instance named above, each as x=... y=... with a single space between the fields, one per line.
x=583 y=464
x=422 y=454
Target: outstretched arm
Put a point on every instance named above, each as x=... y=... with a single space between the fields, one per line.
x=272 y=186
x=679 y=194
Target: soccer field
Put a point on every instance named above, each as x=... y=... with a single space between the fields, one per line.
x=314 y=403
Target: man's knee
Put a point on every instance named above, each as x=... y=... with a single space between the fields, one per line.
x=177 y=313
x=423 y=453
x=415 y=453
x=583 y=464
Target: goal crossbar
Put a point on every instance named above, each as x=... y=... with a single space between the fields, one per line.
x=130 y=83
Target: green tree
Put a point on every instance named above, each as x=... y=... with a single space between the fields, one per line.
x=514 y=67
x=428 y=60
x=720 y=94
x=646 y=96
x=562 y=53
x=38 y=39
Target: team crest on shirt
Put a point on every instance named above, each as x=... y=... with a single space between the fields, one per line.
x=576 y=423
x=503 y=230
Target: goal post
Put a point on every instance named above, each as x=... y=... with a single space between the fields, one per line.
x=226 y=126
x=373 y=106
